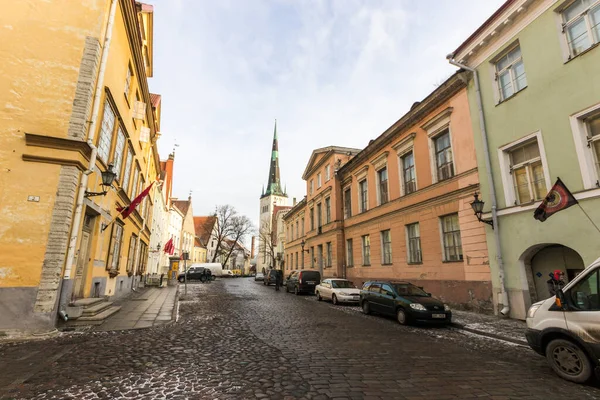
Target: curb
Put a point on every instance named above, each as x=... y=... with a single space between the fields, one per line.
x=488 y=334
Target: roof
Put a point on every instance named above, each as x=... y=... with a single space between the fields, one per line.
x=276 y=209
x=155 y=99
x=183 y=205
x=349 y=151
x=484 y=25
x=203 y=227
x=197 y=242
x=146 y=7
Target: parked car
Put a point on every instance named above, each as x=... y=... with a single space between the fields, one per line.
x=303 y=281
x=259 y=276
x=338 y=291
x=196 y=273
x=215 y=268
x=271 y=276
x=407 y=302
x=565 y=327
x=227 y=273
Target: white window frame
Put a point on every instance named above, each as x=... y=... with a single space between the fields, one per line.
x=319 y=181
x=510 y=69
x=585 y=154
x=312 y=186
x=402 y=148
x=349 y=253
x=408 y=252
x=362 y=248
x=443 y=242
x=387 y=182
x=381 y=236
x=510 y=196
x=327 y=172
x=435 y=127
x=106 y=135
x=327 y=210
x=329 y=252
x=360 y=202
x=347 y=211
x=128 y=79
x=564 y=25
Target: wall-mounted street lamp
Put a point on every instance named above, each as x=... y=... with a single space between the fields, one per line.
x=477 y=206
x=108 y=178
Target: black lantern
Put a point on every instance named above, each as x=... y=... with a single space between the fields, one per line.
x=158 y=247
x=477 y=206
x=302 y=244
x=108 y=178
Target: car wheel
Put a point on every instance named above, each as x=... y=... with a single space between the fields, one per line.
x=569 y=361
x=401 y=316
x=334 y=300
x=296 y=291
x=366 y=308
x=319 y=298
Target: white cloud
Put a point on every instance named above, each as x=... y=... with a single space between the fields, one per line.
x=335 y=72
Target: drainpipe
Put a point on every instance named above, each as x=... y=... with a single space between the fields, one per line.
x=90 y=142
x=488 y=165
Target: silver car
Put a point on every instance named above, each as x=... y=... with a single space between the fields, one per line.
x=338 y=291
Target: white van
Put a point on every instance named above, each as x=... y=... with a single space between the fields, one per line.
x=566 y=328
x=216 y=269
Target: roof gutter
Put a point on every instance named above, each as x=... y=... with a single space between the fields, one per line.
x=488 y=165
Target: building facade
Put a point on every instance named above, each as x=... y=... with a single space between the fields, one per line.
x=537 y=65
x=274 y=196
x=61 y=242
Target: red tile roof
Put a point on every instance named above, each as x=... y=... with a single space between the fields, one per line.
x=146 y=7
x=203 y=227
x=155 y=99
x=183 y=205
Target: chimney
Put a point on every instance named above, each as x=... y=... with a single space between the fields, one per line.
x=294 y=200
x=252 y=247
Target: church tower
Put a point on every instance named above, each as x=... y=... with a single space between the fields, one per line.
x=274 y=196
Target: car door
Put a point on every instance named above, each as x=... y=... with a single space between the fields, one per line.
x=583 y=315
x=387 y=299
x=373 y=297
x=325 y=289
x=292 y=280
x=191 y=274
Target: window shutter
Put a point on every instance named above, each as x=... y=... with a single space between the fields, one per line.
x=139 y=110
x=144 y=134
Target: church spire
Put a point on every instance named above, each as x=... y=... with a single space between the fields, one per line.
x=274 y=183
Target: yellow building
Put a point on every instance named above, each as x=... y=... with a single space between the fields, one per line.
x=75 y=100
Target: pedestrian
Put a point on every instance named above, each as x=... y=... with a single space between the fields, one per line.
x=556 y=281
x=278 y=279
x=208 y=275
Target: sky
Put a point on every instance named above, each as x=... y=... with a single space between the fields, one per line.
x=332 y=72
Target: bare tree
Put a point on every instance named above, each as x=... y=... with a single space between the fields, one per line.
x=229 y=225
x=268 y=238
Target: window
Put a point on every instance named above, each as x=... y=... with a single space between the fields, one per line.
x=362 y=192
x=302 y=226
x=128 y=82
x=329 y=255
x=327 y=172
x=319 y=215
x=118 y=157
x=593 y=136
x=319 y=180
x=443 y=156
x=312 y=218
x=127 y=172
x=414 y=243
x=287 y=233
x=142 y=258
x=320 y=255
x=296 y=260
x=347 y=203
x=106 y=132
x=349 y=253
x=114 y=249
x=451 y=238
x=585 y=294
x=510 y=73
x=386 y=247
x=382 y=178
x=409 y=181
x=581 y=25
x=136 y=175
x=312 y=186
x=312 y=257
x=297 y=229
x=327 y=210
x=528 y=173
x=131 y=253
x=366 y=249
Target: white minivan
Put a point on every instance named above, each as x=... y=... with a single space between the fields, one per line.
x=216 y=269
x=566 y=328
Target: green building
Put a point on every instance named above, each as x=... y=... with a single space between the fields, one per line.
x=538 y=68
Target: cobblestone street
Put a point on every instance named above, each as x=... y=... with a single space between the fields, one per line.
x=237 y=339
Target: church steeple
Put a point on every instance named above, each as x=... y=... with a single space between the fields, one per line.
x=274 y=183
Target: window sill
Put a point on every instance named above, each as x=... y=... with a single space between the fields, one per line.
x=366 y=265
x=453 y=261
x=349 y=266
x=387 y=264
x=415 y=263
x=571 y=58
x=510 y=97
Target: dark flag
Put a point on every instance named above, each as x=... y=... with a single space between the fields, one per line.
x=558 y=199
x=125 y=211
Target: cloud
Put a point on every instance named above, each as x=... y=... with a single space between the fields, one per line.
x=335 y=72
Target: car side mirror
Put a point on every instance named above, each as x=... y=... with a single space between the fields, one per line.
x=559 y=301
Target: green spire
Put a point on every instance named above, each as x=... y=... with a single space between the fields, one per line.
x=274 y=183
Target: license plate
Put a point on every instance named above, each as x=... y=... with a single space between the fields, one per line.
x=438 y=315
x=310 y=282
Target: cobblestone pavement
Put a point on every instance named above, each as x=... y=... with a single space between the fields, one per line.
x=237 y=339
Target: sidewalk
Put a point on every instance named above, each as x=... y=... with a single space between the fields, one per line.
x=512 y=330
x=152 y=307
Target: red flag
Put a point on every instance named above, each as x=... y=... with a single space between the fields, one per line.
x=125 y=211
x=169 y=247
x=559 y=198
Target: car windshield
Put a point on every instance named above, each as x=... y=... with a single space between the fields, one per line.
x=407 y=289
x=311 y=276
x=342 y=284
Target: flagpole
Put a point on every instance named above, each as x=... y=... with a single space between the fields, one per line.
x=110 y=223
x=586 y=214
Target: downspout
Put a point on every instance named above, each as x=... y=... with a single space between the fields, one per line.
x=90 y=142
x=488 y=165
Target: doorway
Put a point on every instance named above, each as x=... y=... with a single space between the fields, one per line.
x=551 y=258
x=83 y=260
